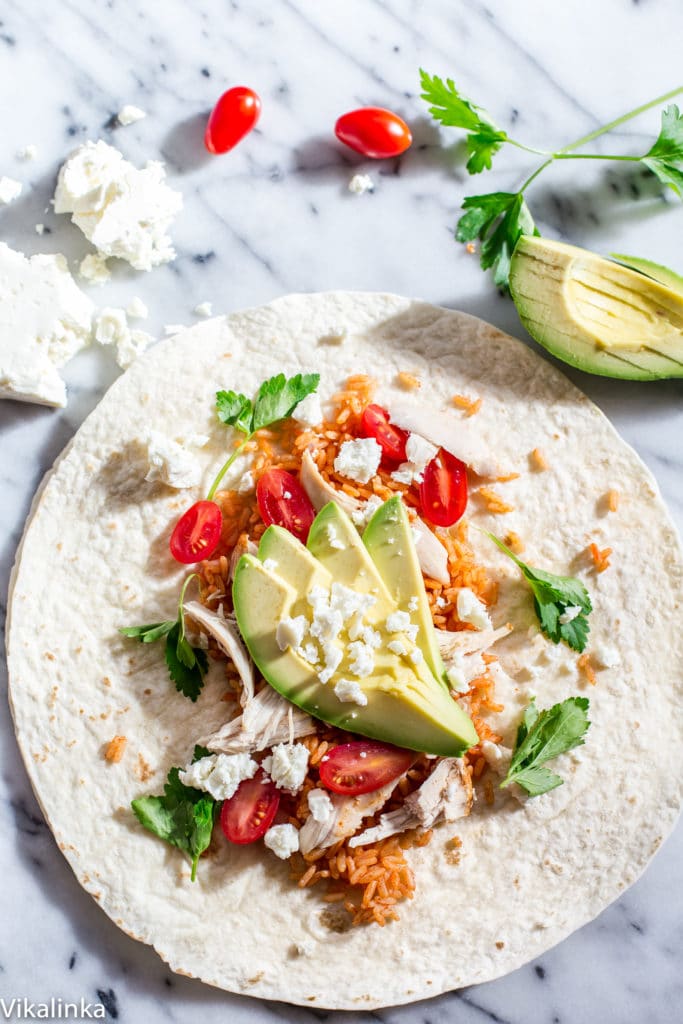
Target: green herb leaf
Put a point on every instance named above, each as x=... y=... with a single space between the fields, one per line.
x=235 y=410
x=187 y=665
x=455 y=111
x=183 y=817
x=543 y=736
x=669 y=144
x=148 y=634
x=553 y=595
x=667 y=173
x=499 y=219
x=200 y=752
x=278 y=397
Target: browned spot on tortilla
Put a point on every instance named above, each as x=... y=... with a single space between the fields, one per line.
x=106 y=680
x=500 y=945
x=143 y=770
x=49 y=655
x=114 y=749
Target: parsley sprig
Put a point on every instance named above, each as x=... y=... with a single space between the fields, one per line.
x=542 y=736
x=276 y=399
x=187 y=665
x=183 y=816
x=499 y=219
x=562 y=603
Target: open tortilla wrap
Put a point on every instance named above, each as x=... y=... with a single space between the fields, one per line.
x=95 y=557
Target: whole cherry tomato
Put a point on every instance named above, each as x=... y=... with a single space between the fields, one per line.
x=197 y=532
x=391 y=439
x=248 y=813
x=233 y=117
x=443 y=491
x=363 y=766
x=283 y=501
x=374 y=132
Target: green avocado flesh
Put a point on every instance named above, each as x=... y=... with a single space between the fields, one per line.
x=406 y=704
x=389 y=540
x=595 y=314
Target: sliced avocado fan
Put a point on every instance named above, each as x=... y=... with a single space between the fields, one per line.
x=598 y=315
x=402 y=700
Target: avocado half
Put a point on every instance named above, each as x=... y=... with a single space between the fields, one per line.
x=598 y=315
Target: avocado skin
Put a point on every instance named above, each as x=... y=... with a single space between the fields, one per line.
x=545 y=277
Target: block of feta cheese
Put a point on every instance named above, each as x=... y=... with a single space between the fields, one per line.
x=123 y=210
x=45 y=319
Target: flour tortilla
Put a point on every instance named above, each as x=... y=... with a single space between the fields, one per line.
x=95 y=557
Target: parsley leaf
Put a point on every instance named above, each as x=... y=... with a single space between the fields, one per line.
x=277 y=398
x=667 y=151
x=235 y=410
x=149 y=634
x=543 y=736
x=183 y=817
x=484 y=138
x=553 y=596
x=499 y=219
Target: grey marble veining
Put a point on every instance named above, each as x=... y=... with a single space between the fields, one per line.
x=275 y=216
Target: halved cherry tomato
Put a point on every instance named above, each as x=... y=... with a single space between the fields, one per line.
x=374 y=132
x=363 y=766
x=443 y=491
x=391 y=439
x=249 y=812
x=283 y=501
x=197 y=532
x=233 y=117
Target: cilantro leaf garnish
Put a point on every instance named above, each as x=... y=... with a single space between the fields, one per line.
x=276 y=399
x=543 y=736
x=183 y=816
x=500 y=218
x=562 y=603
x=187 y=665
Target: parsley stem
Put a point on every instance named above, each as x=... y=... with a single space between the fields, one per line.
x=620 y=120
x=226 y=466
x=181 y=617
x=528 y=149
x=595 y=156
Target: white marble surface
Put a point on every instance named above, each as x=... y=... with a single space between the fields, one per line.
x=275 y=217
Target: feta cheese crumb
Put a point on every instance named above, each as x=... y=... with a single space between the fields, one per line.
x=456 y=676
x=129 y=115
x=362 y=516
x=416 y=656
x=9 y=190
x=420 y=452
x=400 y=622
x=203 y=309
x=359 y=460
x=309 y=411
x=360 y=184
x=269 y=564
x=111 y=328
x=247 y=483
x=40 y=229
x=219 y=774
x=332 y=538
x=29 y=152
x=136 y=309
x=287 y=765
x=441 y=602
x=124 y=211
x=93 y=268
x=397 y=647
x=413 y=603
x=404 y=474
x=362 y=657
x=320 y=805
x=290 y=632
x=570 y=613
x=283 y=840
x=170 y=463
x=348 y=690
x=471 y=610
x=130 y=347
x=605 y=655
x=309 y=652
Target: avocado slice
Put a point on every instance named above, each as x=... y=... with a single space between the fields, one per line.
x=665 y=275
x=292 y=561
x=406 y=705
x=389 y=540
x=595 y=314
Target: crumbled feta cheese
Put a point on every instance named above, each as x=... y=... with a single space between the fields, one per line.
x=219 y=774
x=362 y=516
x=309 y=411
x=441 y=602
x=29 y=152
x=416 y=656
x=247 y=483
x=171 y=329
x=349 y=602
x=333 y=656
x=360 y=184
x=404 y=474
x=456 y=676
x=290 y=632
x=45 y=319
x=269 y=564
x=570 y=613
x=9 y=190
x=309 y=652
x=136 y=309
x=332 y=539
x=93 y=268
x=320 y=805
x=287 y=765
x=420 y=452
x=349 y=691
x=400 y=622
x=111 y=328
x=124 y=211
x=496 y=756
x=605 y=656
x=129 y=115
x=283 y=840
x=413 y=603
x=203 y=309
x=397 y=647
x=130 y=346
x=40 y=229
x=170 y=463
x=359 y=460
x=327 y=624
x=362 y=657
x=470 y=609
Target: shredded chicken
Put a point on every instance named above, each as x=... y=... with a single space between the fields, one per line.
x=446 y=432
x=348 y=813
x=431 y=553
x=467 y=641
x=244 y=546
x=267 y=719
x=227 y=636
